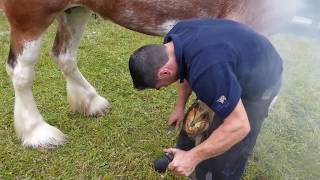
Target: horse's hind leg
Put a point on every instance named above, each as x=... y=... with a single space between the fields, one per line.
x=82 y=96
x=24 y=50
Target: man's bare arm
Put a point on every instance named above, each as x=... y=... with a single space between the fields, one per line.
x=234 y=128
x=184 y=92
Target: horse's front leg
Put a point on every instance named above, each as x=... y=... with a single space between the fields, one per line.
x=82 y=96
x=29 y=124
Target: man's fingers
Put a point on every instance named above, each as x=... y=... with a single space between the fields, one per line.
x=178 y=122
x=176 y=170
x=171 y=167
x=171 y=122
x=171 y=150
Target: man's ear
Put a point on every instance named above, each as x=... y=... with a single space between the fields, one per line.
x=164 y=73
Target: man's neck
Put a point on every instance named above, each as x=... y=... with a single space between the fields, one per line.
x=172 y=64
x=171 y=52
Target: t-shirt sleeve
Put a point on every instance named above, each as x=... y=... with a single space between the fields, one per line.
x=179 y=28
x=216 y=84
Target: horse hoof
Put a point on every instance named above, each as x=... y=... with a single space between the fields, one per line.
x=88 y=104
x=43 y=136
x=99 y=106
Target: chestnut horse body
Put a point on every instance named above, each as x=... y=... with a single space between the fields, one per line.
x=29 y=19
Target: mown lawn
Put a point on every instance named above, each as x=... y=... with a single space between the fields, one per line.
x=123 y=144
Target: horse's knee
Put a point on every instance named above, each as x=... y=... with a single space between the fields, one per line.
x=23 y=77
x=71 y=24
x=66 y=61
x=62 y=53
x=20 y=64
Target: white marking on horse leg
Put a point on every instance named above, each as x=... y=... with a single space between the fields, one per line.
x=82 y=96
x=29 y=124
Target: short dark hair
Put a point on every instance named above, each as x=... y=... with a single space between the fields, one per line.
x=144 y=64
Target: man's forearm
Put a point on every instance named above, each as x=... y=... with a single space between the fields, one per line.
x=184 y=92
x=234 y=128
x=220 y=141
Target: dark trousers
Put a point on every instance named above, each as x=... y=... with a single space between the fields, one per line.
x=231 y=164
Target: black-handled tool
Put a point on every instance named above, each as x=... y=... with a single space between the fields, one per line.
x=161 y=164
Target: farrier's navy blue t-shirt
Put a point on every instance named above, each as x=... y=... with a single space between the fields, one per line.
x=224 y=61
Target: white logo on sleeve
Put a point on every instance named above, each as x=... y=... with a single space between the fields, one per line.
x=222 y=99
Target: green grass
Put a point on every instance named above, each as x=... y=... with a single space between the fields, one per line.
x=123 y=144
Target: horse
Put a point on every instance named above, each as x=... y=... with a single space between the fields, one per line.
x=29 y=19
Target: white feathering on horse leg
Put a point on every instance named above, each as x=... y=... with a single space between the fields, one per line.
x=82 y=96
x=29 y=124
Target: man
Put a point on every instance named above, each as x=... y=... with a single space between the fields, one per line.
x=232 y=69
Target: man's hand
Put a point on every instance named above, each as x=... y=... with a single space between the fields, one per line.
x=176 y=117
x=183 y=163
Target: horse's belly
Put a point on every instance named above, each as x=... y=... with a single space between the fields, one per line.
x=150 y=17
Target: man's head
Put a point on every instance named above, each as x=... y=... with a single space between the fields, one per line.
x=151 y=66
